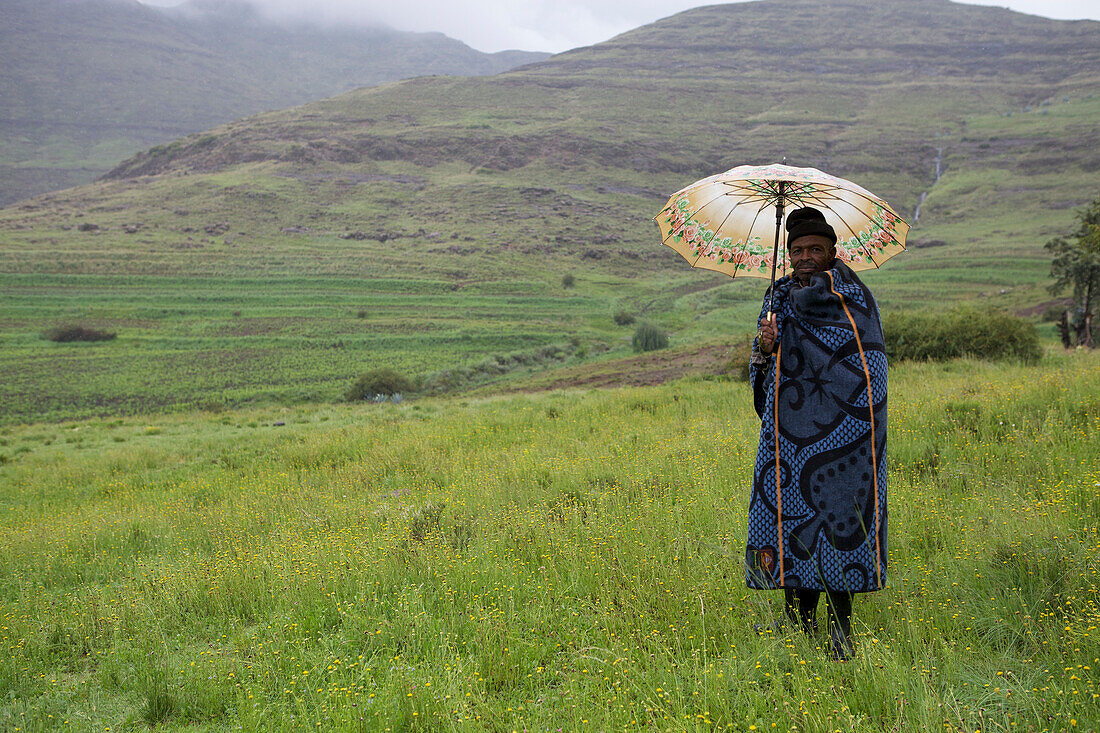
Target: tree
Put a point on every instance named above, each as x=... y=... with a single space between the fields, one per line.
x=1076 y=266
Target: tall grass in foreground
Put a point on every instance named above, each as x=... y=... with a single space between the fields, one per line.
x=566 y=561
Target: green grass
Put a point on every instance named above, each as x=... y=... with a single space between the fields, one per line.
x=188 y=341
x=570 y=561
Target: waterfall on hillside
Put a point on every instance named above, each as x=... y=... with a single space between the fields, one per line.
x=924 y=194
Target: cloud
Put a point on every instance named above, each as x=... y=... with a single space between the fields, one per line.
x=543 y=25
x=1058 y=9
x=487 y=25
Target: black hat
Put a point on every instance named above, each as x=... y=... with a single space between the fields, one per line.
x=806 y=221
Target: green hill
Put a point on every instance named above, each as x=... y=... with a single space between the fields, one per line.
x=427 y=224
x=89 y=82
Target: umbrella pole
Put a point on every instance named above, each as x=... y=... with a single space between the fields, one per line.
x=775 y=248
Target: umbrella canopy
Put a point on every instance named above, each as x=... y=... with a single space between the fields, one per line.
x=730 y=222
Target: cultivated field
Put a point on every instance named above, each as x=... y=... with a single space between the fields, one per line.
x=566 y=561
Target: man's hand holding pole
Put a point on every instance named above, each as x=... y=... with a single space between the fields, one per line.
x=767 y=334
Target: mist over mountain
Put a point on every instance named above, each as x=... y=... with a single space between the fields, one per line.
x=88 y=82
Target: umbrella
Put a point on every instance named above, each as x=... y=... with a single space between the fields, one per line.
x=723 y=222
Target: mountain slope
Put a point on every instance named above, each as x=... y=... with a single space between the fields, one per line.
x=88 y=82
x=428 y=224
x=916 y=69
x=887 y=93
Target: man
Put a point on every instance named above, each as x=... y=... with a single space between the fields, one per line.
x=817 y=515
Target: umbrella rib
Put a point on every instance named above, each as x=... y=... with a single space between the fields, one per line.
x=824 y=203
x=701 y=207
x=724 y=220
x=867 y=197
x=753 y=194
x=718 y=228
x=695 y=215
x=827 y=203
x=807 y=191
x=863 y=247
x=872 y=199
x=718 y=197
x=763 y=205
x=738 y=203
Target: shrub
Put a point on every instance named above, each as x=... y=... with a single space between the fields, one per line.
x=568 y=281
x=384 y=381
x=65 y=334
x=648 y=337
x=623 y=318
x=159 y=706
x=961 y=331
x=737 y=367
x=425 y=521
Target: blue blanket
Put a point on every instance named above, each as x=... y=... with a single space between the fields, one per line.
x=817 y=515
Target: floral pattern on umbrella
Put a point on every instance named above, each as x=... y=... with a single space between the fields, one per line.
x=726 y=222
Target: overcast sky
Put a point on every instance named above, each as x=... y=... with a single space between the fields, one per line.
x=550 y=25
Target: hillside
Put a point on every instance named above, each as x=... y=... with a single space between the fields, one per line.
x=428 y=224
x=979 y=89
x=89 y=82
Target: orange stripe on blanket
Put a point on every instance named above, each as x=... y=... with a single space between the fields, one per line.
x=778 y=473
x=871 y=410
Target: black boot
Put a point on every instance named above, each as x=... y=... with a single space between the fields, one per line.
x=840 y=624
x=800 y=606
x=799 y=611
x=807 y=610
x=780 y=626
x=790 y=605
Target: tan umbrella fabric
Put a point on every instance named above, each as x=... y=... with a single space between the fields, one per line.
x=726 y=222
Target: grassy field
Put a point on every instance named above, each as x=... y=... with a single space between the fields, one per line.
x=563 y=561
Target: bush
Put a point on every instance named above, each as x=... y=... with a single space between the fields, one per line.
x=961 y=331
x=384 y=381
x=622 y=318
x=568 y=281
x=425 y=521
x=648 y=337
x=737 y=367
x=66 y=334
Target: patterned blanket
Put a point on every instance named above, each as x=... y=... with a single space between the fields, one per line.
x=817 y=515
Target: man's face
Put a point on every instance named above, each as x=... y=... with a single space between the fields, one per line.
x=810 y=255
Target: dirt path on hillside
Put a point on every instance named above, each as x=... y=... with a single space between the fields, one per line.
x=655 y=367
